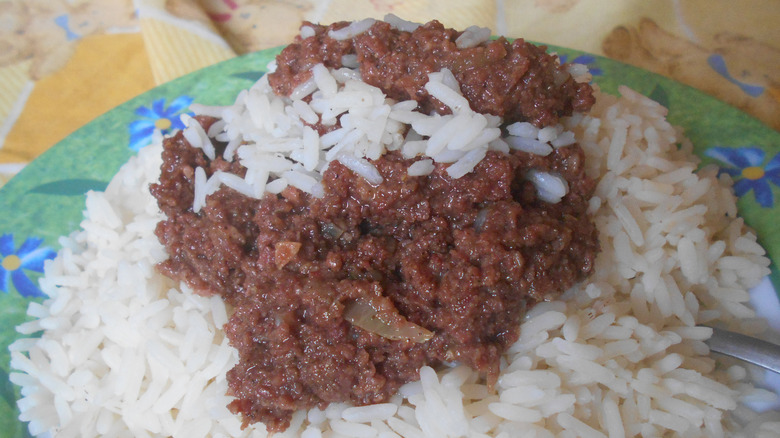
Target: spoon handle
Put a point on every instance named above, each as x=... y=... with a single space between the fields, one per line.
x=756 y=351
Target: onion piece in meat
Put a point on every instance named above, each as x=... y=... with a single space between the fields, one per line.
x=284 y=252
x=388 y=325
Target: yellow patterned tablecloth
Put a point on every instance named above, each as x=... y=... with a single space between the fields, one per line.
x=64 y=62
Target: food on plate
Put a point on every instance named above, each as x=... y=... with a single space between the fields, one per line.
x=343 y=293
x=393 y=261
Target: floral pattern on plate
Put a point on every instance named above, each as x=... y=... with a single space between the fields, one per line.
x=15 y=263
x=159 y=118
x=746 y=165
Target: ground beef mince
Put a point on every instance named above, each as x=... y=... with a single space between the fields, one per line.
x=345 y=297
x=515 y=80
x=461 y=258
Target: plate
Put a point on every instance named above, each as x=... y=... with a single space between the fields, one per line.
x=46 y=200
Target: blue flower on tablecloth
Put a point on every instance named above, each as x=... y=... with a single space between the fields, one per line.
x=63 y=21
x=746 y=166
x=157 y=117
x=587 y=60
x=718 y=63
x=15 y=262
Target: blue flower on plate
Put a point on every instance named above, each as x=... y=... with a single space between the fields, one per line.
x=157 y=117
x=746 y=166
x=15 y=261
x=588 y=60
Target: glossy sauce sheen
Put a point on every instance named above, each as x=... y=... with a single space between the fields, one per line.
x=462 y=258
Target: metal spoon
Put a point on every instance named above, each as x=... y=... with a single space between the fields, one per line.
x=756 y=351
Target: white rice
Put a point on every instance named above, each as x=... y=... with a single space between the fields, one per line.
x=352 y=30
x=127 y=352
x=472 y=37
x=401 y=24
x=272 y=138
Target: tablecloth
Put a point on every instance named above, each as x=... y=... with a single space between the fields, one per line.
x=65 y=62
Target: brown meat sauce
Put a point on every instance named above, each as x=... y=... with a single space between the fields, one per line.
x=461 y=258
x=515 y=80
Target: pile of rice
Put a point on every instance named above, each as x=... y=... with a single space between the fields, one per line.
x=126 y=351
